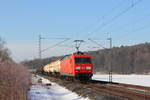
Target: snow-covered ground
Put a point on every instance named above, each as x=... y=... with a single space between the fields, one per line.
x=143 y=80
x=53 y=92
x=56 y=92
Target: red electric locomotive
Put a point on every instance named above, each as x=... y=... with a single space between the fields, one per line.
x=75 y=66
x=78 y=66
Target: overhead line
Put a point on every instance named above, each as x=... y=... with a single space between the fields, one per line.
x=103 y=17
x=97 y=43
x=135 y=22
x=139 y=29
x=115 y=17
x=55 y=38
x=67 y=46
x=55 y=45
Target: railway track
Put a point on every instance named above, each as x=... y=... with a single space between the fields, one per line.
x=137 y=87
x=123 y=85
x=121 y=92
x=128 y=91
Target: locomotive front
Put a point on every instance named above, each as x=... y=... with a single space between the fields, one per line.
x=83 y=67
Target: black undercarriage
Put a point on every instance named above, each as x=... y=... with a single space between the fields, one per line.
x=78 y=76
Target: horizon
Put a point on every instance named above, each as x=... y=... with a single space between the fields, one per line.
x=83 y=51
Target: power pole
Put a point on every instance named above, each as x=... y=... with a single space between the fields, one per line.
x=110 y=70
x=40 y=51
x=40 y=38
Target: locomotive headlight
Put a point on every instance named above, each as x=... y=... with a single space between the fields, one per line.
x=78 y=67
x=88 y=67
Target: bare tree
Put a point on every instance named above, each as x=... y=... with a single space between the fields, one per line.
x=4 y=52
x=14 y=81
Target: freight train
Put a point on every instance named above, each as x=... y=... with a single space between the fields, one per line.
x=77 y=66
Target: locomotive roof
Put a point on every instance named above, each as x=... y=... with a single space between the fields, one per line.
x=76 y=53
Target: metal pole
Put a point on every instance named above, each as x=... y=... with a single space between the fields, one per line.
x=40 y=55
x=110 y=71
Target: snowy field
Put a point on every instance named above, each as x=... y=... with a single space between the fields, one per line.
x=143 y=80
x=53 y=92
x=56 y=92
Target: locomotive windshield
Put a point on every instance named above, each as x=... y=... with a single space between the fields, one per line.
x=82 y=60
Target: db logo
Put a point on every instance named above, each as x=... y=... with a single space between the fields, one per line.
x=82 y=67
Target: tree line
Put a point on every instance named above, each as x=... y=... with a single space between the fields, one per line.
x=121 y=60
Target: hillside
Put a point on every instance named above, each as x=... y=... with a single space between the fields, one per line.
x=124 y=59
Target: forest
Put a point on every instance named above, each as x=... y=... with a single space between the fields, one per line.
x=121 y=60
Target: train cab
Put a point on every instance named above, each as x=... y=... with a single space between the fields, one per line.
x=83 y=66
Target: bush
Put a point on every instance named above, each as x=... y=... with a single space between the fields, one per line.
x=14 y=81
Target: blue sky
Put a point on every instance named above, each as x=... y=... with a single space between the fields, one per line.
x=23 y=20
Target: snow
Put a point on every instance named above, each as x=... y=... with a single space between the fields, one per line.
x=53 y=92
x=56 y=92
x=143 y=80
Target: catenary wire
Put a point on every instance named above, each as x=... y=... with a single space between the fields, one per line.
x=132 y=32
x=102 y=18
x=114 y=18
x=57 y=44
